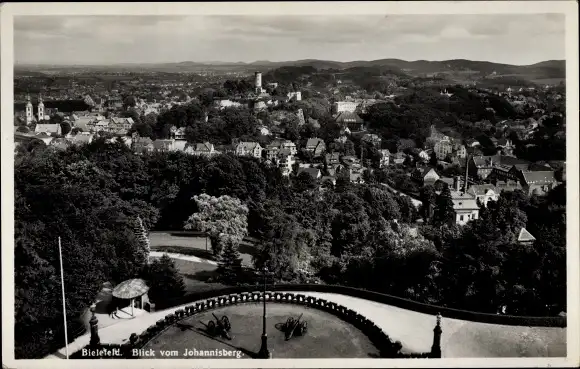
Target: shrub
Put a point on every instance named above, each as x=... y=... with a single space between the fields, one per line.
x=165 y=282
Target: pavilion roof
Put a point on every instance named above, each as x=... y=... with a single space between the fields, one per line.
x=130 y=289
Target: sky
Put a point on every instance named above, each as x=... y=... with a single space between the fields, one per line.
x=507 y=38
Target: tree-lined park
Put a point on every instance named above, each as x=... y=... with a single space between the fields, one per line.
x=104 y=201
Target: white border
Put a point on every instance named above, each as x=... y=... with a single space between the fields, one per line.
x=570 y=8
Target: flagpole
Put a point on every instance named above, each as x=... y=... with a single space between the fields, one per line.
x=63 y=298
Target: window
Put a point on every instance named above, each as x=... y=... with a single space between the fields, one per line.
x=461 y=218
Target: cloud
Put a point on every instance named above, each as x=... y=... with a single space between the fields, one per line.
x=284 y=37
x=454 y=33
x=334 y=29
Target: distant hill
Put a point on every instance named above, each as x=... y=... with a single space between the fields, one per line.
x=551 y=69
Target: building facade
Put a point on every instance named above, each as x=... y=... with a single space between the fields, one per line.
x=465 y=207
x=316 y=146
x=285 y=161
x=484 y=193
x=344 y=106
x=253 y=149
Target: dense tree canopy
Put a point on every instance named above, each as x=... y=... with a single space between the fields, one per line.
x=359 y=235
x=66 y=196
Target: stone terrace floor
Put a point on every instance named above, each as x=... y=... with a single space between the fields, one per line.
x=460 y=339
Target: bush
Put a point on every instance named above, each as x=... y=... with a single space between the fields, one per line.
x=164 y=280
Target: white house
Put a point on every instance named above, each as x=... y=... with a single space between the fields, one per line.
x=253 y=149
x=297 y=95
x=183 y=146
x=465 y=207
x=222 y=104
x=484 y=193
x=178 y=133
x=48 y=129
x=285 y=161
x=345 y=106
x=204 y=148
x=80 y=139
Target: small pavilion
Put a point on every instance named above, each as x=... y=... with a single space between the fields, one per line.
x=130 y=290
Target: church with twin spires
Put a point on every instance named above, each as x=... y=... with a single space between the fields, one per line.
x=41 y=116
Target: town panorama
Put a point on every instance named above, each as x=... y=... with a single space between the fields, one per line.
x=438 y=182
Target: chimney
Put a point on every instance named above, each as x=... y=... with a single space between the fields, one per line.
x=457 y=183
x=466 y=176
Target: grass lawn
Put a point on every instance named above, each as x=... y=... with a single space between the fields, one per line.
x=328 y=336
x=197 y=276
x=194 y=246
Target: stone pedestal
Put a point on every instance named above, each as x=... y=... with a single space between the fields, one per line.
x=94 y=323
x=264 y=353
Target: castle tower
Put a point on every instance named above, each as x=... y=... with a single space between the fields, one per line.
x=28 y=109
x=258 y=82
x=40 y=109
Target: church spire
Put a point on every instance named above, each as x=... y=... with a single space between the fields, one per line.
x=28 y=109
x=41 y=115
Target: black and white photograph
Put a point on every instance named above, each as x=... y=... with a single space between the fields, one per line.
x=243 y=183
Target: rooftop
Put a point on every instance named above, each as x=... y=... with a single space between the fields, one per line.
x=480 y=190
x=247 y=145
x=539 y=178
x=525 y=236
x=348 y=117
x=314 y=142
x=486 y=161
x=313 y=172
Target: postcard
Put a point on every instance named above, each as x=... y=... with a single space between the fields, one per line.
x=290 y=184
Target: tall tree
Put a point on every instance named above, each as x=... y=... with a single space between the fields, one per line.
x=224 y=218
x=428 y=199
x=380 y=203
x=444 y=213
x=286 y=249
x=65 y=128
x=230 y=263
x=433 y=160
x=349 y=148
x=143 y=238
x=303 y=182
x=350 y=224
